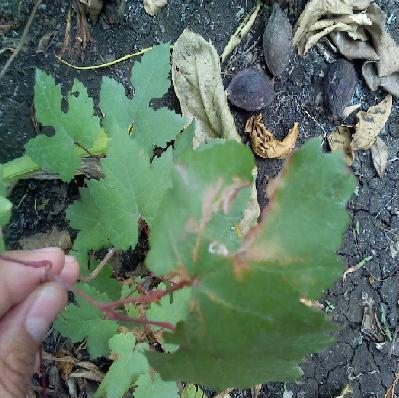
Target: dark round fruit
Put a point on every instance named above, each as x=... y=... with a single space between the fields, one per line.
x=250 y=89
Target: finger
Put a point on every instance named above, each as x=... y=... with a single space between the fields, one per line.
x=70 y=272
x=21 y=332
x=18 y=281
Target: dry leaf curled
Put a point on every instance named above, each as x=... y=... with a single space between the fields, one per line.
x=340 y=140
x=379 y=154
x=152 y=7
x=265 y=144
x=371 y=123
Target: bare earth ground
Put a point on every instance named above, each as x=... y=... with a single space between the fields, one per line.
x=356 y=359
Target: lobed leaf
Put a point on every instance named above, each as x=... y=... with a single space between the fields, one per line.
x=262 y=330
x=77 y=127
x=84 y=321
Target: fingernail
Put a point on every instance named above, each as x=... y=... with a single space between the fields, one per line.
x=47 y=250
x=42 y=312
x=69 y=259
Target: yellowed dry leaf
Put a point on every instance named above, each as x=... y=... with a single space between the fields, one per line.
x=373 y=81
x=346 y=392
x=353 y=49
x=265 y=144
x=314 y=10
x=349 y=110
x=379 y=154
x=152 y=7
x=371 y=123
x=197 y=80
x=340 y=140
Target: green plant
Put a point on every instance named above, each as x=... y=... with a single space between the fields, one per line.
x=226 y=309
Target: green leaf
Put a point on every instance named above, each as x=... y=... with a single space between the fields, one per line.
x=171 y=309
x=84 y=321
x=150 y=79
x=152 y=386
x=196 y=174
x=56 y=154
x=108 y=212
x=117 y=108
x=262 y=330
x=192 y=391
x=78 y=126
x=130 y=363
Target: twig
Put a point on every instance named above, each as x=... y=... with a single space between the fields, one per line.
x=107 y=64
x=99 y=268
x=22 y=40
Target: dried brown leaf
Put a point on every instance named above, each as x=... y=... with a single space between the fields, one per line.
x=152 y=7
x=353 y=49
x=340 y=140
x=198 y=84
x=379 y=154
x=349 y=110
x=265 y=144
x=371 y=123
x=373 y=81
x=94 y=8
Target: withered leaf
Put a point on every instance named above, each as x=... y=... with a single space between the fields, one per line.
x=277 y=41
x=379 y=154
x=265 y=144
x=152 y=7
x=373 y=81
x=339 y=86
x=250 y=89
x=53 y=238
x=371 y=123
x=198 y=84
x=340 y=140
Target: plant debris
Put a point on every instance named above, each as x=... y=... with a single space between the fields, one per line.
x=339 y=86
x=364 y=134
x=93 y=8
x=250 y=89
x=340 y=140
x=152 y=7
x=197 y=81
x=277 y=41
x=241 y=31
x=379 y=154
x=371 y=123
x=265 y=144
x=357 y=29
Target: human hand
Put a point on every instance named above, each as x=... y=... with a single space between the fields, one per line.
x=27 y=307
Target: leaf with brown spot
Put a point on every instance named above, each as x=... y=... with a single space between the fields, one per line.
x=371 y=122
x=379 y=154
x=265 y=144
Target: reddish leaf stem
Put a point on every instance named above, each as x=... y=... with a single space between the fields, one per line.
x=107 y=308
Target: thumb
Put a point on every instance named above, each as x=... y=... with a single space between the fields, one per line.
x=21 y=332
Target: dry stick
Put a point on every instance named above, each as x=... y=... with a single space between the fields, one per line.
x=22 y=40
x=100 y=267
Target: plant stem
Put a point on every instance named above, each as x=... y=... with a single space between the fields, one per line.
x=107 y=308
x=23 y=166
x=100 y=267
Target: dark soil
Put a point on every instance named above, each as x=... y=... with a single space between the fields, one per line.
x=358 y=358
